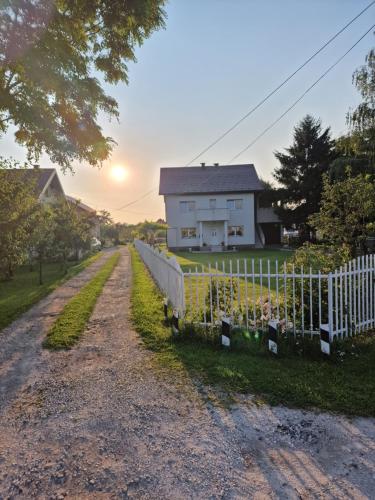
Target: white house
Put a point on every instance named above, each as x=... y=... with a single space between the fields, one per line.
x=216 y=207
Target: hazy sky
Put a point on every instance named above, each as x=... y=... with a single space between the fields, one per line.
x=215 y=60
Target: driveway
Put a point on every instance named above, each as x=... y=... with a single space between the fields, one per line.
x=104 y=421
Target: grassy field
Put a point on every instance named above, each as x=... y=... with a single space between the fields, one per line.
x=70 y=324
x=19 y=294
x=344 y=383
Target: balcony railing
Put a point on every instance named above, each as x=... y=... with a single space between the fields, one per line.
x=212 y=214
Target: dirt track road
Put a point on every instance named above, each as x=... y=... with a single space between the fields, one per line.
x=100 y=421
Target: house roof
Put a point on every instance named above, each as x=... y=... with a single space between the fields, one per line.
x=209 y=179
x=79 y=204
x=41 y=176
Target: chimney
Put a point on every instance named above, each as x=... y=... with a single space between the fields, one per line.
x=203 y=165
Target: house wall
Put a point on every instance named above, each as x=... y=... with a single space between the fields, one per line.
x=177 y=220
x=52 y=192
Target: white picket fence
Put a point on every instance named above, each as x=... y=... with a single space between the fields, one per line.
x=167 y=273
x=252 y=293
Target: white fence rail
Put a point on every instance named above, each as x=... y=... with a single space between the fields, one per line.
x=252 y=293
x=166 y=272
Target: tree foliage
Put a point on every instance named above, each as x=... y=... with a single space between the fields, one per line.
x=301 y=170
x=362 y=119
x=18 y=204
x=41 y=242
x=347 y=213
x=50 y=54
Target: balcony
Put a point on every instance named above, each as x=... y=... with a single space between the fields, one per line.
x=267 y=215
x=212 y=214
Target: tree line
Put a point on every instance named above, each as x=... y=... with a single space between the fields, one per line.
x=122 y=232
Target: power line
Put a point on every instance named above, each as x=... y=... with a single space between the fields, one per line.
x=138 y=199
x=260 y=103
x=301 y=97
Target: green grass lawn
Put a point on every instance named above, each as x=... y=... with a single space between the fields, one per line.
x=343 y=384
x=70 y=324
x=189 y=260
x=19 y=294
x=199 y=286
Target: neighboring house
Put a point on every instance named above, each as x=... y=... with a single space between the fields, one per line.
x=216 y=207
x=48 y=187
x=49 y=190
x=86 y=212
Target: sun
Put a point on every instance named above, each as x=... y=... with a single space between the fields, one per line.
x=119 y=173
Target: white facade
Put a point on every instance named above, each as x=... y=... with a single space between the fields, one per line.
x=212 y=220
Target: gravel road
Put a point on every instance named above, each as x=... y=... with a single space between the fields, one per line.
x=103 y=421
x=20 y=342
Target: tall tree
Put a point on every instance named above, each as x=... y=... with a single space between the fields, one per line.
x=362 y=119
x=18 y=203
x=49 y=51
x=357 y=148
x=347 y=214
x=42 y=238
x=68 y=230
x=300 y=173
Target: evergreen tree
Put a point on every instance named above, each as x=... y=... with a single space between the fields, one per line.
x=300 y=174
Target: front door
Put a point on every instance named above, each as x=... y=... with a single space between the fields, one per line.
x=214 y=236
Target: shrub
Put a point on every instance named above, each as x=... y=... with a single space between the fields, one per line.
x=323 y=258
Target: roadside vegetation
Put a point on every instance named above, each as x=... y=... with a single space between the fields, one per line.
x=20 y=293
x=71 y=322
x=297 y=377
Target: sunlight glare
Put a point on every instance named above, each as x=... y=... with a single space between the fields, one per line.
x=119 y=173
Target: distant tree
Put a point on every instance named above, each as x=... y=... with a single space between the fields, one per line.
x=49 y=51
x=18 y=203
x=300 y=173
x=347 y=214
x=42 y=237
x=104 y=217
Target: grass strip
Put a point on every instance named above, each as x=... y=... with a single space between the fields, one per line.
x=341 y=385
x=23 y=291
x=70 y=324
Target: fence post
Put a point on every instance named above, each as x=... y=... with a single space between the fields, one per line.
x=330 y=306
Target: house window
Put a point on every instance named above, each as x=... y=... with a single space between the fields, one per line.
x=187 y=206
x=235 y=231
x=213 y=203
x=234 y=204
x=188 y=232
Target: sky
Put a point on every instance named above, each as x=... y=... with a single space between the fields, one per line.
x=214 y=61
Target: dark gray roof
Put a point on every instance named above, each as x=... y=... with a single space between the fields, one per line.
x=215 y=179
x=38 y=175
x=80 y=204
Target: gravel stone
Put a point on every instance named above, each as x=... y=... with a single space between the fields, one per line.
x=104 y=420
